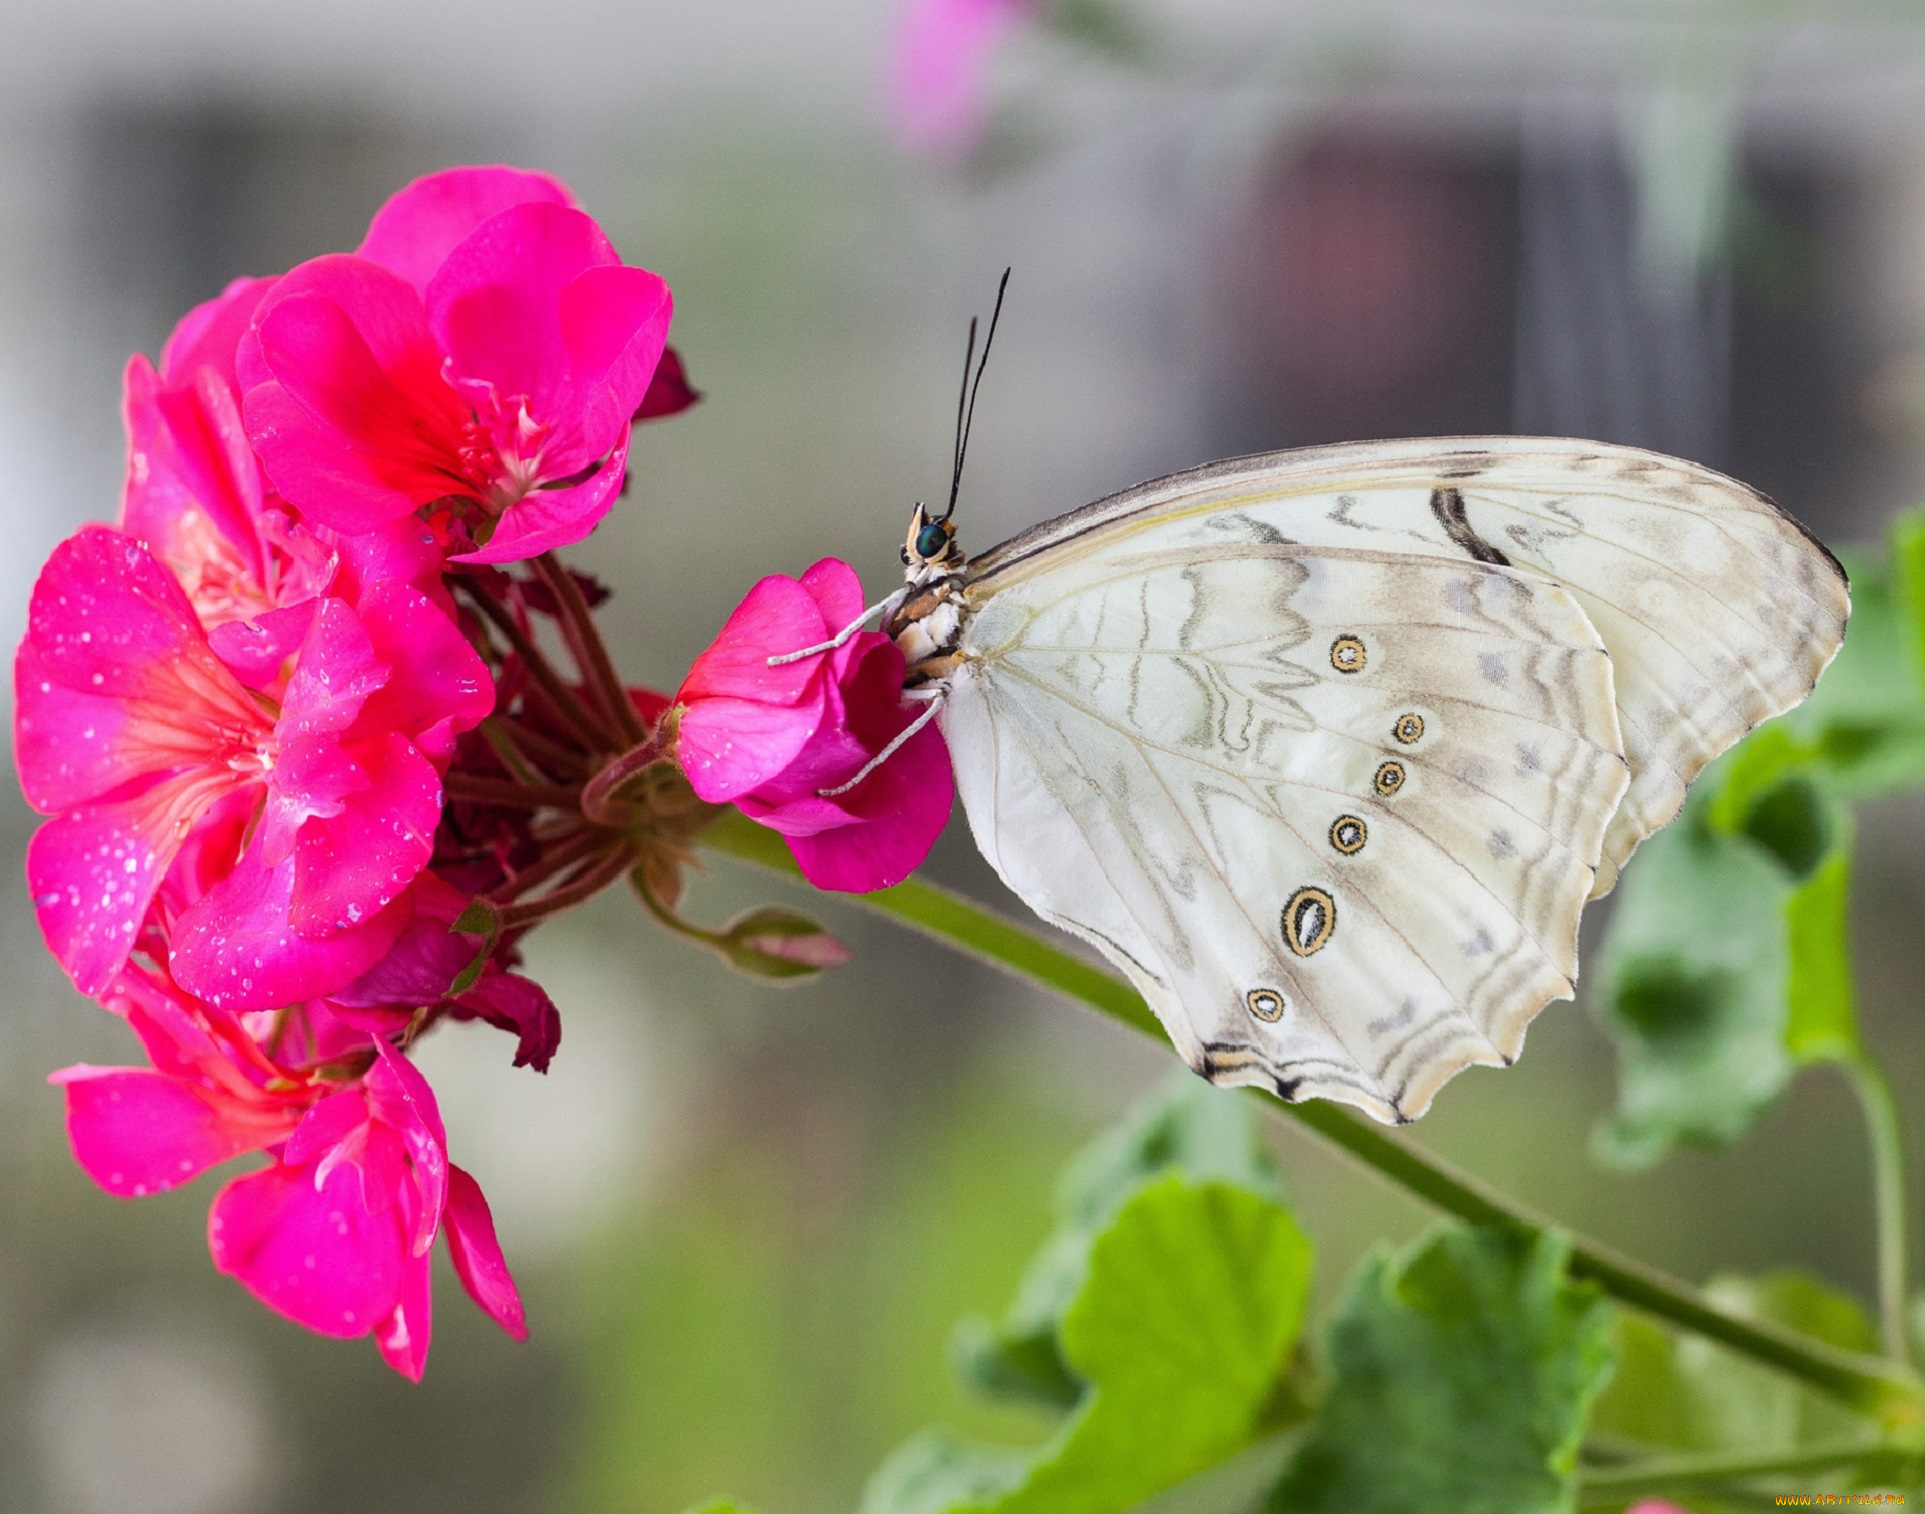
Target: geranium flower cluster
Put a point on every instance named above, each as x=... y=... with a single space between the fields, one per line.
x=312 y=775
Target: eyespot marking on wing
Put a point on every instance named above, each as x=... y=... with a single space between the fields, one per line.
x=1266 y=1004
x=1347 y=654
x=1409 y=728
x=1389 y=779
x=1348 y=834
x=1309 y=921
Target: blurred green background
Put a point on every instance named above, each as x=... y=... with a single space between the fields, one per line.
x=746 y=1220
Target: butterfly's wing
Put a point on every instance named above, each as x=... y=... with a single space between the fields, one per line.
x=1175 y=710
x=1718 y=609
x=1334 y=812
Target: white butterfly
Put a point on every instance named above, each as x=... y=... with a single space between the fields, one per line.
x=1326 y=749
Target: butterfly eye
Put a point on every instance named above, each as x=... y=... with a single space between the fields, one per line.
x=1347 y=655
x=1266 y=1004
x=1409 y=729
x=1348 y=834
x=931 y=540
x=1389 y=779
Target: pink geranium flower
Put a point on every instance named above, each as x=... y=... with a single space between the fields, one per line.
x=194 y=492
x=336 y=1233
x=939 y=70
x=487 y=346
x=132 y=732
x=775 y=740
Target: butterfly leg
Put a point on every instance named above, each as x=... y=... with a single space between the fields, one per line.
x=933 y=701
x=884 y=608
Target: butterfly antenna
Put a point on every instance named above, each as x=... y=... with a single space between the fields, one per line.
x=966 y=401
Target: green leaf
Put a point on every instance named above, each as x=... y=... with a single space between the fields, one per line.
x=1184 y=1125
x=1823 y=1026
x=481 y=918
x=1693 y=993
x=1463 y=1370
x=938 y=1471
x=1866 y=718
x=720 y=1506
x=1183 y=1330
x=1908 y=582
x=1682 y=1393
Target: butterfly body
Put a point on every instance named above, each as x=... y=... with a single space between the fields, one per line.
x=1327 y=749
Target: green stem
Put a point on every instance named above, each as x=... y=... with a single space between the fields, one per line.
x=1887 y=1391
x=1873 y=1463
x=1880 y=1108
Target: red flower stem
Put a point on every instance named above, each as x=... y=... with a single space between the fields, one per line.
x=577 y=889
x=507 y=753
x=559 y=857
x=587 y=647
x=598 y=801
x=545 y=752
x=568 y=707
x=533 y=796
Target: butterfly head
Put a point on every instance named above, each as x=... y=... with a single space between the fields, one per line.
x=930 y=552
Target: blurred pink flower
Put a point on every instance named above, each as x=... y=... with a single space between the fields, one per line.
x=938 y=76
x=1656 y=1506
x=487 y=345
x=131 y=732
x=771 y=740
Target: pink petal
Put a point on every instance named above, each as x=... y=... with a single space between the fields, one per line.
x=837 y=591
x=70 y=746
x=337 y=673
x=614 y=323
x=208 y=334
x=897 y=813
x=520 y=1005
x=778 y=615
x=416 y=230
x=107 y=619
x=669 y=391
x=400 y=1098
x=192 y=487
x=136 y=1132
x=437 y=683
x=256 y=651
x=235 y=948
x=479 y=1264
x=356 y=862
x=727 y=747
x=92 y=873
x=425 y=959
x=326 y=1126
x=314 y=1254
x=406 y=550
x=402 y=1338
x=544 y=519
x=313 y=779
x=512 y=311
x=357 y=426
